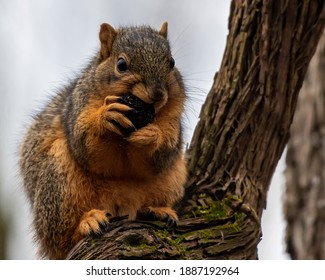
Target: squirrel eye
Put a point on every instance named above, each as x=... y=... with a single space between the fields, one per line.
x=172 y=63
x=122 y=65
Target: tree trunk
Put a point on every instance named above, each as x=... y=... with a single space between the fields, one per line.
x=305 y=177
x=3 y=237
x=243 y=129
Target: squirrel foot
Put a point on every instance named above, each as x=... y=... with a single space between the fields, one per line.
x=113 y=115
x=165 y=214
x=92 y=222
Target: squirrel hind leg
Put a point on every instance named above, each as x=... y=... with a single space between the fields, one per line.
x=166 y=214
x=92 y=222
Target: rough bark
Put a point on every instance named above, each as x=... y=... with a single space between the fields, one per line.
x=243 y=129
x=3 y=236
x=305 y=177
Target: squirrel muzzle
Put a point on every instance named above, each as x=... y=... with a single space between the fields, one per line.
x=155 y=95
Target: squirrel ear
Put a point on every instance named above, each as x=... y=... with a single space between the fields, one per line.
x=107 y=35
x=164 y=29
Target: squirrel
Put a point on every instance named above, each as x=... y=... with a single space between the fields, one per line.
x=83 y=159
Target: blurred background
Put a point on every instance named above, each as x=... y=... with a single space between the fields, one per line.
x=44 y=43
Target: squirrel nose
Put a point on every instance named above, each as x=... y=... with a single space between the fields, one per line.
x=157 y=94
x=159 y=98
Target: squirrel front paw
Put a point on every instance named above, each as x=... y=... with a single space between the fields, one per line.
x=113 y=115
x=92 y=222
x=145 y=136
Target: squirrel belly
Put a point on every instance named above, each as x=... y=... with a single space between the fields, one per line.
x=110 y=143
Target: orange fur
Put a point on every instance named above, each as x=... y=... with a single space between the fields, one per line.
x=129 y=185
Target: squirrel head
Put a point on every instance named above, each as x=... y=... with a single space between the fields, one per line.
x=139 y=60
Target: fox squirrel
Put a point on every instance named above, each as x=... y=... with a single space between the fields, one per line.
x=109 y=143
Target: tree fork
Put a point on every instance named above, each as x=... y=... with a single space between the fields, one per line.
x=243 y=129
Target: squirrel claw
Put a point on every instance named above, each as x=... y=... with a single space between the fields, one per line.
x=111 y=99
x=103 y=228
x=92 y=223
x=165 y=214
x=171 y=222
